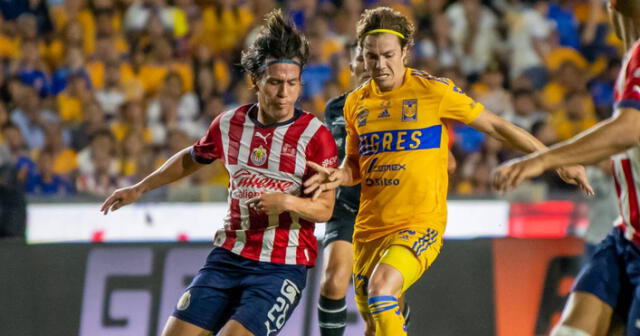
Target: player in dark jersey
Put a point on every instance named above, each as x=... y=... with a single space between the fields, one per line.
x=253 y=279
x=608 y=287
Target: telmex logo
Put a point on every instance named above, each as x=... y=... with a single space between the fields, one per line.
x=244 y=178
x=384 y=168
x=400 y=140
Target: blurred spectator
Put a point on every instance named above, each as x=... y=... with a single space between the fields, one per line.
x=529 y=32
x=77 y=23
x=491 y=93
x=45 y=182
x=32 y=118
x=112 y=95
x=173 y=108
x=474 y=35
x=64 y=158
x=225 y=23
x=30 y=67
x=93 y=121
x=100 y=141
x=575 y=117
x=141 y=11
x=73 y=66
x=526 y=112
x=131 y=120
x=101 y=181
x=72 y=99
x=562 y=13
x=131 y=149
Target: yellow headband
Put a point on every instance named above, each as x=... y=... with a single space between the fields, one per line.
x=375 y=31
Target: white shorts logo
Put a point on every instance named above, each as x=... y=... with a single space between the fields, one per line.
x=277 y=315
x=184 y=301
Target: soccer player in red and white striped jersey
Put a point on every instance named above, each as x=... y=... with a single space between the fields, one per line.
x=253 y=278
x=610 y=282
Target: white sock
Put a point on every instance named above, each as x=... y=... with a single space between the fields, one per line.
x=563 y=330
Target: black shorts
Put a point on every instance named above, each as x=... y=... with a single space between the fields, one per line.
x=340 y=226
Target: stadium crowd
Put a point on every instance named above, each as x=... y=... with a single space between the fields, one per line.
x=95 y=94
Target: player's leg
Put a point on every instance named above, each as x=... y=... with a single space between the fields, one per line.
x=338 y=268
x=270 y=294
x=177 y=327
x=584 y=315
x=599 y=288
x=235 y=328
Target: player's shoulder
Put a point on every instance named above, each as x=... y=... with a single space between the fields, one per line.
x=334 y=107
x=634 y=51
x=426 y=80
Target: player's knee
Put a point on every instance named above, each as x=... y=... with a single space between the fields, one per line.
x=335 y=283
x=564 y=330
x=379 y=286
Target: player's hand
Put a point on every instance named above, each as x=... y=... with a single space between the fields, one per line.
x=576 y=175
x=511 y=173
x=271 y=203
x=120 y=198
x=325 y=179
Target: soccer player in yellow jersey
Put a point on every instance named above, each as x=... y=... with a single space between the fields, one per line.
x=397 y=151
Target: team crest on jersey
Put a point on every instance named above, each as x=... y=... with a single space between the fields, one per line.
x=410 y=110
x=184 y=301
x=362 y=116
x=259 y=156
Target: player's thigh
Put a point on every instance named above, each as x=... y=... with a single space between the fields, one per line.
x=338 y=268
x=269 y=298
x=235 y=328
x=386 y=279
x=586 y=312
x=206 y=307
x=177 y=327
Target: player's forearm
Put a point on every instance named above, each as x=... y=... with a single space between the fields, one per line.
x=319 y=210
x=517 y=138
x=351 y=171
x=609 y=137
x=178 y=166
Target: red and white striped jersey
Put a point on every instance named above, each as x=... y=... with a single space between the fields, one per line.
x=266 y=159
x=626 y=165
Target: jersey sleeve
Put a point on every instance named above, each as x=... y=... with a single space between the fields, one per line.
x=352 y=140
x=457 y=105
x=630 y=83
x=209 y=147
x=322 y=149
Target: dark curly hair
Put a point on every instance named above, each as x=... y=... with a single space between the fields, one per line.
x=385 y=18
x=278 y=38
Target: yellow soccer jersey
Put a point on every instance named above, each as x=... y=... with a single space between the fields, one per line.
x=401 y=140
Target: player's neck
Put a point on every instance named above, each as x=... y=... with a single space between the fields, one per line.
x=268 y=119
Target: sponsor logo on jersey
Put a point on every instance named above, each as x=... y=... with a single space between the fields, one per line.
x=259 y=155
x=381 y=182
x=400 y=140
x=362 y=116
x=409 y=110
x=288 y=150
x=247 y=184
x=375 y=168
x=332 y=161
x=184 y=301
x=264 y=137
x=385 y=105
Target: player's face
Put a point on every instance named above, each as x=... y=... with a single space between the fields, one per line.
x=384 y=60
x=358 y=71
x=278 y=90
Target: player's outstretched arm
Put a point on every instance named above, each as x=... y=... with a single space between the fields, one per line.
x=520 y=139
x=331 y=178
x=178 y=166
x=318 y=210
x=606 y=138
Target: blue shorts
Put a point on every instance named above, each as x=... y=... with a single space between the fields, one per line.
x=613 y=275
x=259 y=295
